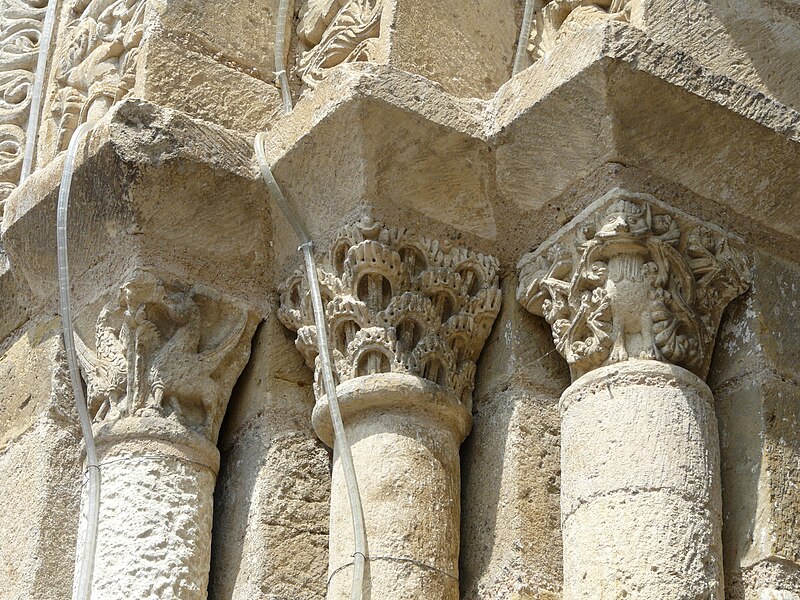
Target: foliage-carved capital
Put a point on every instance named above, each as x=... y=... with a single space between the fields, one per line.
x=163 y=351
x=398 y=303
x=632 y=278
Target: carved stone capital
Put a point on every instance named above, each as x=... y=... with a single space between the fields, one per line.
x=632 y=278
x=163 y=358
x=397 y=303
x=559 y=18
x=335 y=32
x=96 y=67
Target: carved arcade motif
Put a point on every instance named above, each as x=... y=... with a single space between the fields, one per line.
x=334 y=32
x=397 y=303
x=165 y=352
x=558 y=18
x=97 y=67
x=20 y=29
x=633 y=279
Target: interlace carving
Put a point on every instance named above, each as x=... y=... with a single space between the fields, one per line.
x=397 y=303
x=20 y=29
x=97 y=67
x=633 y=279
x=334 y=32
x=558 y=18
x=160 y=351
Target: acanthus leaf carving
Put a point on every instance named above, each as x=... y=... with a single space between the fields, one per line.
x=166 y=352
x=335 y=32
x=633 y=279
x=398 y=303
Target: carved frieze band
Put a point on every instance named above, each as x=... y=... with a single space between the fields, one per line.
x=334 y=32
x=558 y=18
x=632 y=278
x=20 y=29
x=96 y=65
x=166 y=351
x=398 y=303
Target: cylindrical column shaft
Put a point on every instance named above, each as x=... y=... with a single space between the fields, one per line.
x=641 y=499
x=405 y=434
x=156 y=510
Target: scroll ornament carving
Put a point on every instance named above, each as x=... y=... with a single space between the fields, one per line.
x=165 y=352
x=633 y=280
x=97 y=68
x=558 y=18
x=397 y=303
x=20 y=29
x=334 y=32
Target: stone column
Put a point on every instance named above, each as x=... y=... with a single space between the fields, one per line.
x=159 y=374
x=634 y=291
x=407 y=318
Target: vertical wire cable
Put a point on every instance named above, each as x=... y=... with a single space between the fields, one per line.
x=524 y=35
x=341 y=444
x=83 y=587
x=32 y=132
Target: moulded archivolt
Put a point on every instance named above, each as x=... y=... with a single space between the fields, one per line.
x=398 y=303
x=20 y=29
x=632 y=278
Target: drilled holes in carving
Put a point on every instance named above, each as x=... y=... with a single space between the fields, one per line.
x=409 y=333
x=413 y=259
x=444 y=305
x=372 y=362
x=345 y=334
x=375 y=291
x=471 y=282
x=435 y=371
x=339 y=255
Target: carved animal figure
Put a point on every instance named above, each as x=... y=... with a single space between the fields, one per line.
x=181 y=376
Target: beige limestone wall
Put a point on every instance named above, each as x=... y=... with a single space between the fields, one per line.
x=755 y=381
x=270 y=537
x=510 y=533
x=661 y=104
x=40 y=473
x=756 y=42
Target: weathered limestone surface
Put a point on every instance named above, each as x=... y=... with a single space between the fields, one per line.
x=40 y=466
x=270 y=537
x=159 y=373
x=406 y=320
x=406 y=115
x=467 y=48
x=634 y=292
x=755 y=382
x=640 y=486
x=510 y=533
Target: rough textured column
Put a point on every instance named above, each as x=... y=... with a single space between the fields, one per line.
x=634 y=292
x=159 y=374
x=407 y=319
